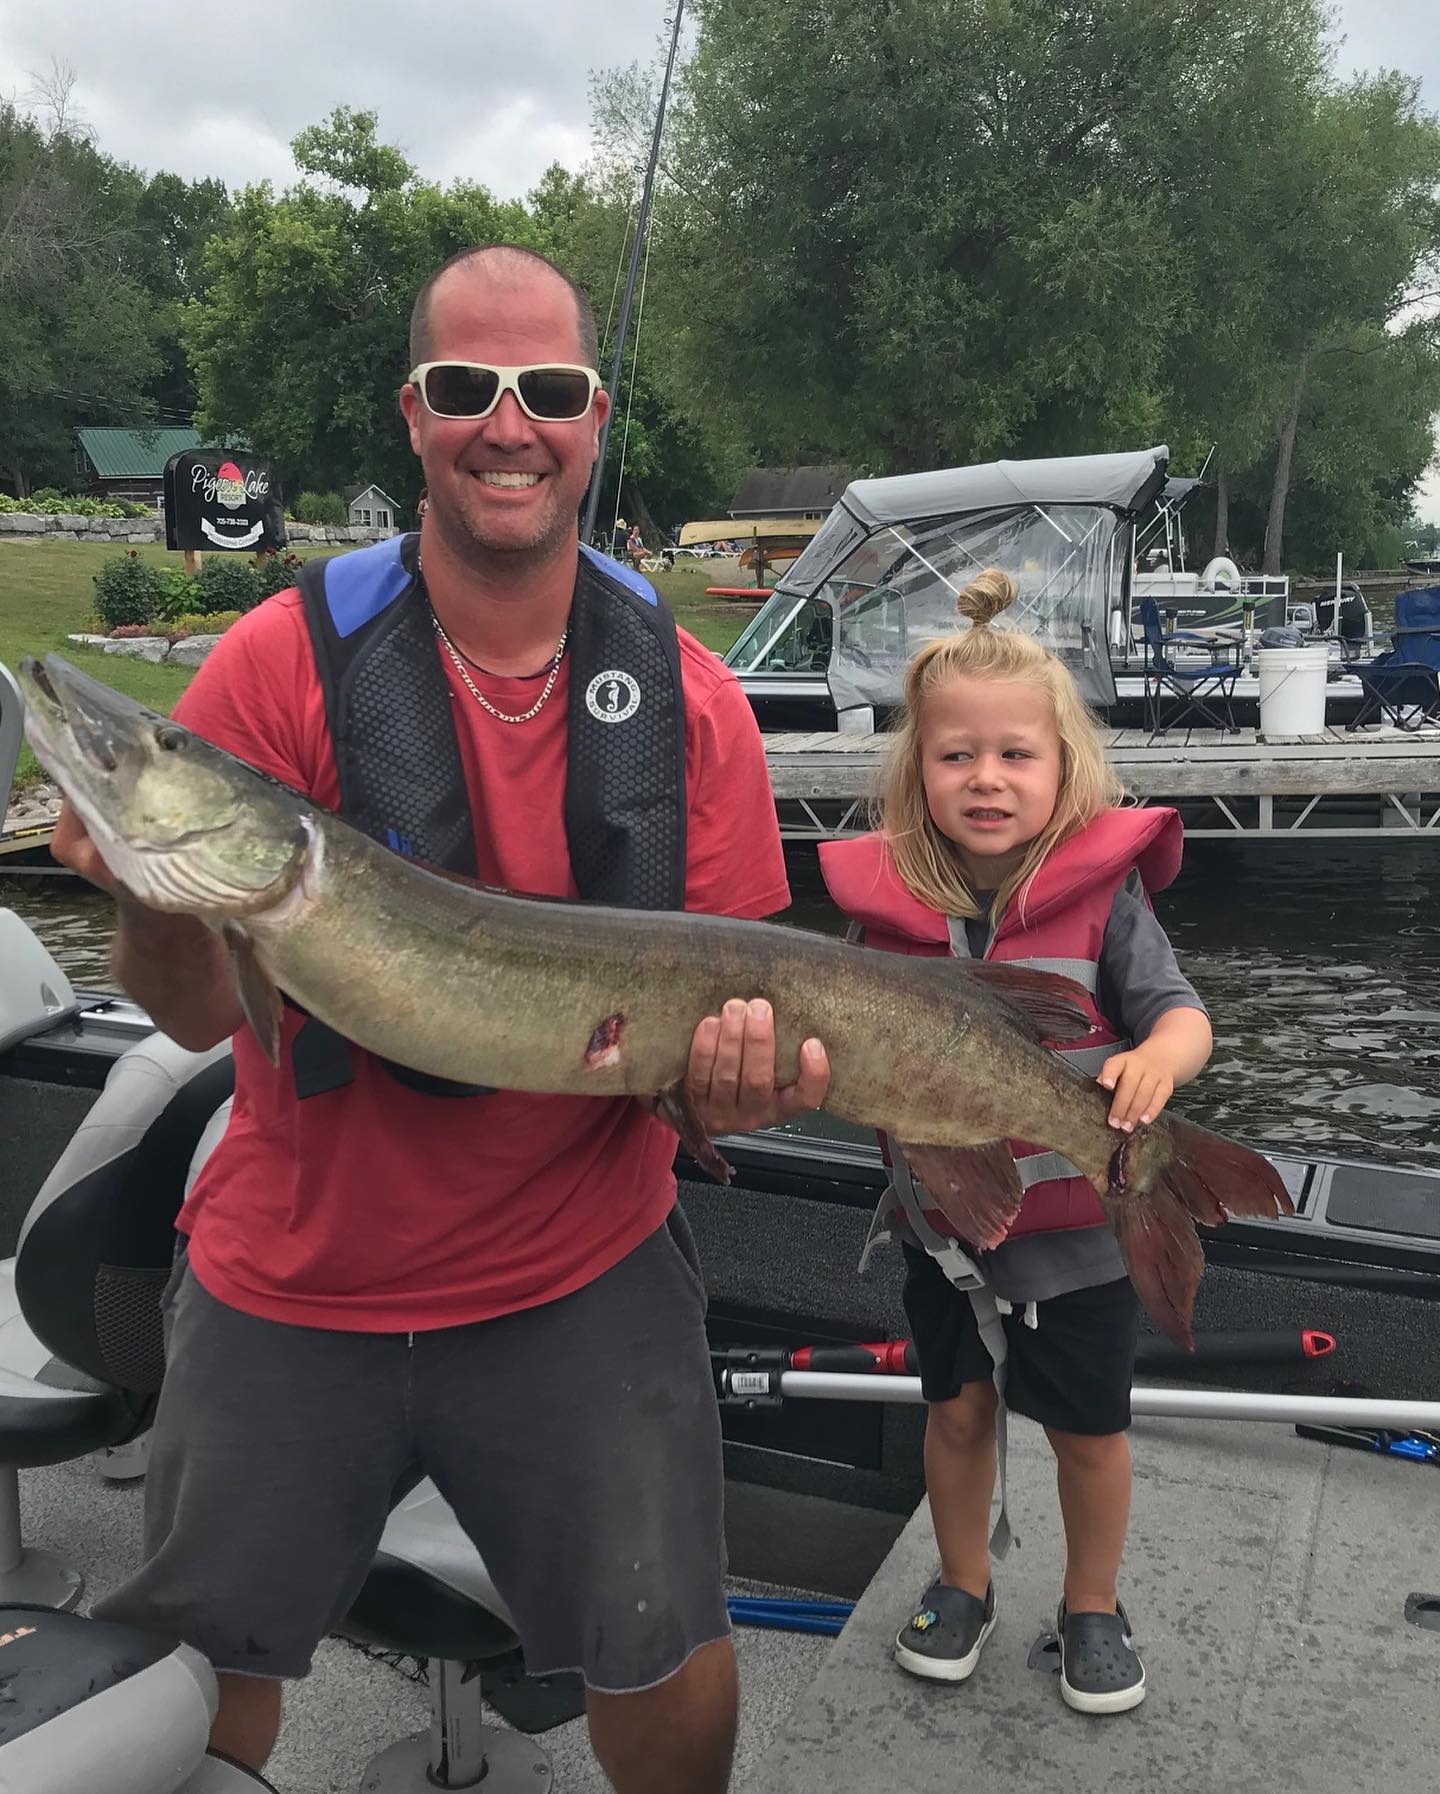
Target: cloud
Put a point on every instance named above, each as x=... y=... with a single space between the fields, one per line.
x=473 y=91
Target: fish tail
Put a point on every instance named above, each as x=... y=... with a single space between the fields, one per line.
x=1163 y=1180
x=1216 y=1178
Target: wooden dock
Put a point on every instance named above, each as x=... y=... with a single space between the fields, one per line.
x=1327 y=786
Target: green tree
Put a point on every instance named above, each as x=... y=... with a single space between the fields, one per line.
x=669 y=457
x=299 y=340
x=1356 y=234
x=174 y=220
x=78 y=333
x=914 y=233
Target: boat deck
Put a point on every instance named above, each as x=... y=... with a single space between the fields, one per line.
x=1266 y=1578
x=1336 y=783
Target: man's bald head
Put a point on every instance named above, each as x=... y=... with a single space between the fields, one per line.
x=502 y=263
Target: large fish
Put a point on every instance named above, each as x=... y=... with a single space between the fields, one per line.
x=521 y=993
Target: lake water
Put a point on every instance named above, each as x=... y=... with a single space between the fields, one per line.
x=1320 y=966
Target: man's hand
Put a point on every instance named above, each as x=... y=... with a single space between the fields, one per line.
x=72 y=846
x=172 y=965
x=731 y=1079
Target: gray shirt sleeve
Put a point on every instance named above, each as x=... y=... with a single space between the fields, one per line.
x=1139 y=976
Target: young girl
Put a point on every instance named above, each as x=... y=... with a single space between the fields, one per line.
x=1002 y=838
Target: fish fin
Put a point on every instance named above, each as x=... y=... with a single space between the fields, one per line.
x=976 y=1188
x=1216 y=1178
x=676 y=1108
x=1046 y=1006
x=259 y=999
x=1162 y=1181
x=1163 y=1255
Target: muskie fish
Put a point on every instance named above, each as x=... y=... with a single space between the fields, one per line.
x=520 y=993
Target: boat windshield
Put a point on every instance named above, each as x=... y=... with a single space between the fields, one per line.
x=788 y=634
x=896 y=591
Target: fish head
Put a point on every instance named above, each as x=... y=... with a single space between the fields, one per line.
x=184 y=826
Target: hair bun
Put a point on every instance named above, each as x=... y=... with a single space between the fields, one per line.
x=986 y=596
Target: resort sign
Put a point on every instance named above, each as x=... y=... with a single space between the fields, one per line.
x=217 y=499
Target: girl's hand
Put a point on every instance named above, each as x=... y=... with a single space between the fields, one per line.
x=1143 y=1083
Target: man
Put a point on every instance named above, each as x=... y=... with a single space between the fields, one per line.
x=494 y=1286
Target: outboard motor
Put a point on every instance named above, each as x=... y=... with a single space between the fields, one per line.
x=1348 y=619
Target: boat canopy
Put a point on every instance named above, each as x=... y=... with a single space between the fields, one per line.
x=881 y=577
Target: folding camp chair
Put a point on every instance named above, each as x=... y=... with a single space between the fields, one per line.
x=1402 y=687
x=1206 y=691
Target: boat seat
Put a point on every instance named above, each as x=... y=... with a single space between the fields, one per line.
x=90 y=1705
x=430 y=1596
x=95 y=1254
x=80 y=1361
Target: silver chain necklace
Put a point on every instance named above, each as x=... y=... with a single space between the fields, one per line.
x=500 y=716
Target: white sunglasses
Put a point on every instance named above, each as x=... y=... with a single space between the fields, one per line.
x=549 y=393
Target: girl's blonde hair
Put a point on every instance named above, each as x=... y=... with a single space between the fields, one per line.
x=923 y=856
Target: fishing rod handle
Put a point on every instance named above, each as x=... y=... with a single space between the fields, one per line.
x=1269 y=1345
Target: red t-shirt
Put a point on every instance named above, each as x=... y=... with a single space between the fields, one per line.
x=375 y=1208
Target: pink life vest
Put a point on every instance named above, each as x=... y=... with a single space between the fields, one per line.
x=1066 y=912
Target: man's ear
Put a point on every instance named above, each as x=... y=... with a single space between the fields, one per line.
x=600 y=410
x=411 y=405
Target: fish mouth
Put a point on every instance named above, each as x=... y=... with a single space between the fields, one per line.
x=98 y=722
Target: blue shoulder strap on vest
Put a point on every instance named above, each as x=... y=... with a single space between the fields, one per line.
x=388 y=708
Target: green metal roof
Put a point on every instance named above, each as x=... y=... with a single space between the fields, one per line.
x=130 y=454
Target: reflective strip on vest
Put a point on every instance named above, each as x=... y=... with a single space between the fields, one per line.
x=1043 y=1168
x=1084 y=972
x=967 y=1278
x=1089 y=1059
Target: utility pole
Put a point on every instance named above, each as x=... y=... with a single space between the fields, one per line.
x=592 y=505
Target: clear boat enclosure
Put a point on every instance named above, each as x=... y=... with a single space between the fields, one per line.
x=881 y=577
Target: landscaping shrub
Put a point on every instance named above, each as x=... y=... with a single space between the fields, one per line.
x=226 y=582
x=193 y=623
x=50 y=503
x=127 y=591
x=279 y=573
x=321 y=507
x=177 y=594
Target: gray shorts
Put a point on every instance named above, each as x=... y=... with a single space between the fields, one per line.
x=578 y=1442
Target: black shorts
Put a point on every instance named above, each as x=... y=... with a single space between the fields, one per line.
x=1072 y=1370
x=578 y=1443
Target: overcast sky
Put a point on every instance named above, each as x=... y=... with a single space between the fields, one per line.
x=466 y=88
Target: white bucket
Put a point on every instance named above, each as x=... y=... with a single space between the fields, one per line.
x=1292 y=689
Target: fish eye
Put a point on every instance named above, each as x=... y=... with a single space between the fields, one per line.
x=169 y=738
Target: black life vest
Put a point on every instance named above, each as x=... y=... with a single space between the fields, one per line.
x=388 y=710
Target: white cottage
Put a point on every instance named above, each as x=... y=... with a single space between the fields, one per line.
x=370 y=507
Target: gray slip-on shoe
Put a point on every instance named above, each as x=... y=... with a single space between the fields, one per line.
x=945 y=1636
x=1099 y=1670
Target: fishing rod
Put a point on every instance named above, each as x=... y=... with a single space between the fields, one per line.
x=592 y=503
x=767 y=1386
x=896 y=1357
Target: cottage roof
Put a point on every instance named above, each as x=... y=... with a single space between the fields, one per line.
x=134 y=454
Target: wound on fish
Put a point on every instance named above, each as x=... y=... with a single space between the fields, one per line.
x=604 y=1048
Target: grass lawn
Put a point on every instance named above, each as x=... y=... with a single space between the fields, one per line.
x=47 y=593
